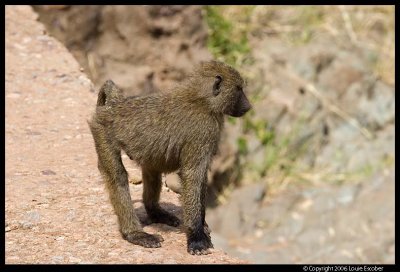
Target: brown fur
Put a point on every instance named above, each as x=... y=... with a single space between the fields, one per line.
x=178 y=131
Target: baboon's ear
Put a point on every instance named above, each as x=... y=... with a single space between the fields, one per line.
x=217 y=85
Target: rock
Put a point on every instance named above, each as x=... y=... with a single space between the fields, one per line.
x=48 y=172
x=57 y=259
x=379 y=109
x=108 y=32
x=13 y=95
x=135 y=180
x=347 y=194
x=32 y=217
x=173 y=182
x=74 y=260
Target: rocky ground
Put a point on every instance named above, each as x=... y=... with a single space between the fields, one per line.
x=336 y=204
x=323 y=224
x=56 y=209
x=142 y=48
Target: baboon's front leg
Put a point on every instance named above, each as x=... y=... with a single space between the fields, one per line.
x=194 y=182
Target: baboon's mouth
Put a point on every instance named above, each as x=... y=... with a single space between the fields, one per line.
x=239 y=113
x=241 y=109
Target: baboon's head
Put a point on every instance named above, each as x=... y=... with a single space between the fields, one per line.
x=223 y=88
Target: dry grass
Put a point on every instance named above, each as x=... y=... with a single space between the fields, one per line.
x=368 y=27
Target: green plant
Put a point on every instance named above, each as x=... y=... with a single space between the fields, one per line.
x=281 y=153
x=224 y=41
x=242 y=145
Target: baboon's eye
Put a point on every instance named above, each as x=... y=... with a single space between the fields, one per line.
x=217 y=85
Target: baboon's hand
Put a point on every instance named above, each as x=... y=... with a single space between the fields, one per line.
x=143 y=239
x=200 y=244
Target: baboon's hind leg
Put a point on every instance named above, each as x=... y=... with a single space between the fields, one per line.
x=151 y=196
x=116 y=178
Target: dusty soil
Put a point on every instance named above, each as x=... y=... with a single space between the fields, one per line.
x=56 y=209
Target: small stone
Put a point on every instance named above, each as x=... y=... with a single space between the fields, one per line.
x=13 y=95
x=71 y=215
x=74 y=260
x=34 y=133
x=60 y=238
x=135 y=180
x=26 y=225
x=347 y=194
x=26 y=40
x=306 y=204
x=48 y=172
x=33 y=216
x=57 y=259
x=84 y=79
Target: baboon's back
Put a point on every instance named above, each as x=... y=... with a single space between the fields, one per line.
x=155 y=130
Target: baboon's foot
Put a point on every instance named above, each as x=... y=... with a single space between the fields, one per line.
x=199 y=243
x=158 y=215
x=143 y=239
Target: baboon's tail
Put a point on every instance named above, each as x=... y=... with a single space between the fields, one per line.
x=109 y=92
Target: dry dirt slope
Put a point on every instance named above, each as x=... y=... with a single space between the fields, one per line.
x=56 y=208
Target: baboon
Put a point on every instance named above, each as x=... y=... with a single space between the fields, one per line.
x=166 y=132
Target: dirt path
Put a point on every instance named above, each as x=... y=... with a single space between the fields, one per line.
x=56 y=208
